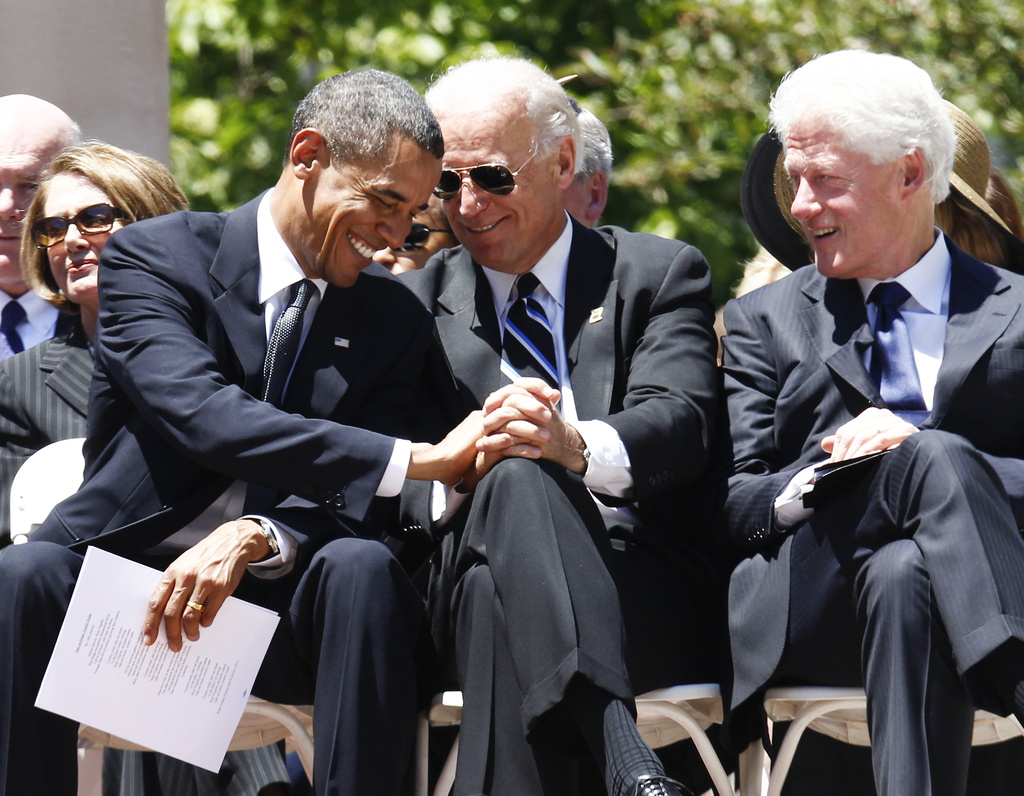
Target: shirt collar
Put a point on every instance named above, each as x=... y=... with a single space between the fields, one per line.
x=279 y=269
x=550 y=270
x=38 y=311
x=927 y=280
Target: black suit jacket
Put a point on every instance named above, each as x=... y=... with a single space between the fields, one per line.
x=793 y=362
x=172 y=416
x=640 y=346
x=44 y=393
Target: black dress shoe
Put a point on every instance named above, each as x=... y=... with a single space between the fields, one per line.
x=649 y=785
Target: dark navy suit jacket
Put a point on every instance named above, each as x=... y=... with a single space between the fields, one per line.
x=172 y=416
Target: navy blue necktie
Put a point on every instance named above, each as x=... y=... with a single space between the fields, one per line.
x=528 y=348
x=12 y=315
x=892 y=356
x=283 y=345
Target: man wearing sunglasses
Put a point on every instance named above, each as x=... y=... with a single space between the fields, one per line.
x=254 y=378
x=31 y=133
x=577 y=528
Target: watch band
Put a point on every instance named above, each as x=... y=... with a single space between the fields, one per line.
x=268 y=532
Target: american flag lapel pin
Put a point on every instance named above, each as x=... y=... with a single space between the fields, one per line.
x=341 y=342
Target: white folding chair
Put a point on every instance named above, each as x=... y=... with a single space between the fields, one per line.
x=841 y=713
x=52 y=474
x=663 y=717
x=47 y=477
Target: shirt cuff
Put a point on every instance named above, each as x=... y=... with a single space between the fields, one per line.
x=608 y=468
x=394 y=474
x=444 y=502
x=277 y=565
x=789 y=505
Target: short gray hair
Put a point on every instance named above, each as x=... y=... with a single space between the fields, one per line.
x=487 y=80
x=360 y=113
x=596 y=154
x=880 y=105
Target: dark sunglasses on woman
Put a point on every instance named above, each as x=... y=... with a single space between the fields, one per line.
x=418 y=237
x=92 y=220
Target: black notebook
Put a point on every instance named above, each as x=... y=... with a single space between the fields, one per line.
x=831 y=477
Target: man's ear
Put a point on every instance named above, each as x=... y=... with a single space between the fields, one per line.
x=308 y=152
x=566 y=162
x=914 y=172
x=598 y=196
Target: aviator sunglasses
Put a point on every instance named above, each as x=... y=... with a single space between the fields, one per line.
x=92 y=220
x=418 y=236
x=491 y=177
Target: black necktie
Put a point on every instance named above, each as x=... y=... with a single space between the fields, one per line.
x=12 y=315
x=892 y=356
x=284 y=343
x=528 y=348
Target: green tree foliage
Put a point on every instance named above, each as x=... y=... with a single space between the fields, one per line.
x=682 y=85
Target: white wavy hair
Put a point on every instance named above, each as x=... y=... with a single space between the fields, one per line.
x=880 y=105
x=596 y=155
x=482 y=82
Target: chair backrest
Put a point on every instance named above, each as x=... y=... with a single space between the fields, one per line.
x=47 y=477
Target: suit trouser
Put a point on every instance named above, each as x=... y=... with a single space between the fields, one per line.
x=931 y=559
x=528 y=596
x=346 y=643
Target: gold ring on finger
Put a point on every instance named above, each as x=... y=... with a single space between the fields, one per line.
x=197 y=607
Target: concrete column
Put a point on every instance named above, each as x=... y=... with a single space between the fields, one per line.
x=104 y=62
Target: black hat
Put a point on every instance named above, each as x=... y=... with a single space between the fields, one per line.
x=766 y=195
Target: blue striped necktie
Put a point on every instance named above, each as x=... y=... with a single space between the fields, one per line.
x=528 y=348
x=892 y=356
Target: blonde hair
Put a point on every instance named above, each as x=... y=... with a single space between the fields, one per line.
x=137 y=185
x=970 y=229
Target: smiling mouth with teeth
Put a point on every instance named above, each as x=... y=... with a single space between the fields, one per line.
x=821 y=233
x=364 y=250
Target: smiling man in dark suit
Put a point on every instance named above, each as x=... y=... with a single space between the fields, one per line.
x=569 y=578
x=240 y=471
x=906 y=579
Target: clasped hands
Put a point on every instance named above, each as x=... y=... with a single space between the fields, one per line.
x=521 y=419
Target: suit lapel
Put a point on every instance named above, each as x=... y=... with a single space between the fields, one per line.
x=235 y=274
x=69 y=363
x=337 y=342
x=837 y=324
x=981 y=306
x=591 y=319
x=468 y=329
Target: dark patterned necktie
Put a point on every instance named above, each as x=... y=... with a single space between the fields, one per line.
x=284 y=343
x=281 y=351
x=528 y=348
x=892 y=356
x=12 y=315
